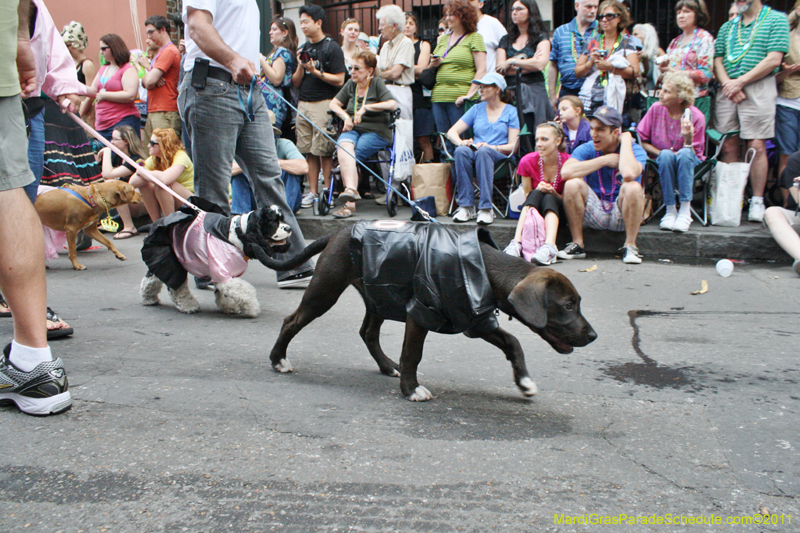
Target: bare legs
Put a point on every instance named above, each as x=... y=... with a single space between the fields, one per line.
x=22 y=277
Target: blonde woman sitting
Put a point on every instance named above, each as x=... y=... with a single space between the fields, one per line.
x=170 y=164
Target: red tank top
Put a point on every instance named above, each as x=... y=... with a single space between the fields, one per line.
x=108 y=114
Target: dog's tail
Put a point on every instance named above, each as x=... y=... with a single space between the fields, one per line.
x=293 y=262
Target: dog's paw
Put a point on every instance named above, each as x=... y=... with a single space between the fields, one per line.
x=528 y=386
x=421 y=394
x=76 y=266
x=283 y=366
x=188 y=309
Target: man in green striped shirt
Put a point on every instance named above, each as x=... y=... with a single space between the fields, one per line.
x=747 y=54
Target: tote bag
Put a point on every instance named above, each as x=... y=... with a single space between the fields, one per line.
x=727 y=189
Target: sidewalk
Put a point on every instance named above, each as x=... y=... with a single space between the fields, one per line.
x=749 y=241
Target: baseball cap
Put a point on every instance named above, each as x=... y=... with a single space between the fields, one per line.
x=608 y=116
x=492 y=78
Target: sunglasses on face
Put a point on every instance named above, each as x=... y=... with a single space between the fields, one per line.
x=517 y=8
x=355 y=67
x=104 y=48
x=153 y=143
x=608 y=16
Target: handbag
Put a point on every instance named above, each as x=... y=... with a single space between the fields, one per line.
x=428 y=76
x=727 y=191
x=427 y=204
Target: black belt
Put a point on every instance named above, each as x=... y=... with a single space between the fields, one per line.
x=220 y=74
x=395 y=84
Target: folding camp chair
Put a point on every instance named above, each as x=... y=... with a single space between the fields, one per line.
x=702 y=175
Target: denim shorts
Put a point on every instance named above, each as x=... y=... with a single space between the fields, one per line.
x=787 y=129
x=367 y=144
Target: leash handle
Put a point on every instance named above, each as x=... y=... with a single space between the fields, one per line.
x=248 y=111
x=141 y=170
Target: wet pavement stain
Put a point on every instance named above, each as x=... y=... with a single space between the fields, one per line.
x=649 y=372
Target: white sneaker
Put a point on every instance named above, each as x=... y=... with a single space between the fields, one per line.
x=545 y=255
x=630 y=255
x=464 y=214
x=757 y=209
x=682 y=224
x=668 y=221
x=485 y=217
x=514 y=248
x=308 y=200
x=796 y=266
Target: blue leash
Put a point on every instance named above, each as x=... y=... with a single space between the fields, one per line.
x=411 y=202
x=251 y=116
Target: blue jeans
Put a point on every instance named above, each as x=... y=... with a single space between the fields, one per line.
x=677 y=169
x=481 y=165
x=242 y=200
x=446 y=114
x=367 y=144
x=35 y=153
x=220 y=130
x=133 y=121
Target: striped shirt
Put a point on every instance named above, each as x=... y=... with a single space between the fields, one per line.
x=566 y=46
x=457 y=70
x=772 y=36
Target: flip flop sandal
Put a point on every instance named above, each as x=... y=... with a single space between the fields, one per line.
x=62 y=329
x=344 y=212
x=349 y=195
x=125 y=234
x=4 y=305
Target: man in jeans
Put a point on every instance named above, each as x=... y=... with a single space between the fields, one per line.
x=161 y=80
x=222 y=40
x=320 y=76
x=747 y=53
x=603 y=186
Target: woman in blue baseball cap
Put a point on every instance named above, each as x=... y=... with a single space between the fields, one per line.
x=496 y=127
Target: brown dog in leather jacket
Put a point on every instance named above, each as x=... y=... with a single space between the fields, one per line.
x=63 y=211
x=541 y=298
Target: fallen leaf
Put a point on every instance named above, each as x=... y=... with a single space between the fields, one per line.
x=763 y=510
x=774 y=277
x=590 y=269
x=704 y=289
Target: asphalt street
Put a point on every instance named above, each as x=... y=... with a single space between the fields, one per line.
x=686 y=405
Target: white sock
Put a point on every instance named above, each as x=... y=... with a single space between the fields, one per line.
x=672 y=210
x=685 y=209
x=757 y=199
x=26 y=358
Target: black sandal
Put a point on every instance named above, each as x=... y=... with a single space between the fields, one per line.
x=7 y=312
x=63 y=330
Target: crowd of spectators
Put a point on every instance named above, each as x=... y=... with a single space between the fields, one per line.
x=484 y=78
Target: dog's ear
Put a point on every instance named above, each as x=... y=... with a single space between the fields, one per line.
x=529 y=300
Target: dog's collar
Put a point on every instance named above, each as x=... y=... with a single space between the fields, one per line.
x=76 y=194
x=236 y=237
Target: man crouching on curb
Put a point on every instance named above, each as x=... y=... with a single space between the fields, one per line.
x=601 y=200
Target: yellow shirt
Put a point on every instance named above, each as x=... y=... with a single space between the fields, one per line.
x=181 y=158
